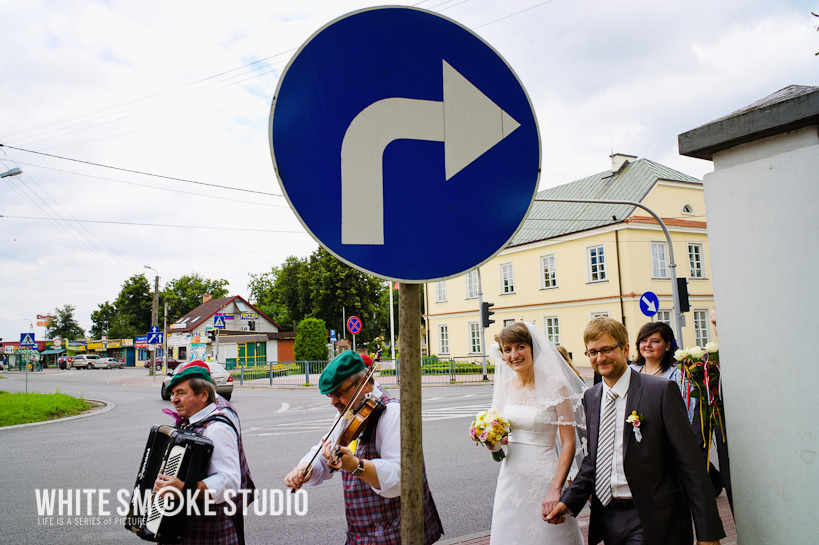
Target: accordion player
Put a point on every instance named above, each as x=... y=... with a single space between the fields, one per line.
x=177 y=453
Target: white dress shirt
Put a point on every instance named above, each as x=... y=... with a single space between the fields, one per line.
x=388 y=443
x=619 y=485
x=224 y=472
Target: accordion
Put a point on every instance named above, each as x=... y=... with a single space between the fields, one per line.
x=176 y=453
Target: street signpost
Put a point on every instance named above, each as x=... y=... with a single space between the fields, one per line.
x=412 y=130
x=219 y=321
x=27 y=340
x=397 y=190
x=649 y=303
x=354 y=325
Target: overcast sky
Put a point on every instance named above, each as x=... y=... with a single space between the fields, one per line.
x=182 y=89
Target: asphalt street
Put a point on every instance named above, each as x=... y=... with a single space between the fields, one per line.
x=103 y=451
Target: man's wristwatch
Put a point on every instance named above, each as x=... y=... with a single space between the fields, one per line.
x=358 y=470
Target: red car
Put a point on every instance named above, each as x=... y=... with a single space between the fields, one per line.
x=160 y=362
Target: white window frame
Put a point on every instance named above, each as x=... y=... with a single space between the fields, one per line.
x=474 y=335
x=661 y=317
x=598 y=314
x=551 y=327
x=691 y=268
x=443 y=339
x=440 y=291
x=507 y=278
x=659 y=260
x=509 y=321
x=548 y=274
x=472 y=285
x=599 y=275
x=701 y=321
x=687 y=209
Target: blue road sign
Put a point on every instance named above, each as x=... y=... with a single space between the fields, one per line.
x=354 y=325
x=333 y=337
x=218 y=321
x=154 y=329
x=649 y=303
x=359 y=119
x=156 y=337
x=27 y=340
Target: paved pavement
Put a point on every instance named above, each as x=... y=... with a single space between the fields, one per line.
x=482 y=538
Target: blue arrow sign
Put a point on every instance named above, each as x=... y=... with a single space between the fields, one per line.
x=408 y=140
x=154 y=329
x=333 y=337
x=649 y=303
x=156 y=337
x=27 y=340
x=218 y=321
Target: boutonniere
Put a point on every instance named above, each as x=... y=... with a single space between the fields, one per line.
x=636 y=420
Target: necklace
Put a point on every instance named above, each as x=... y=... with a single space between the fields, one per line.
x=657 y=372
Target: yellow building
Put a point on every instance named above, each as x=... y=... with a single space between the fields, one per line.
x=571 y=262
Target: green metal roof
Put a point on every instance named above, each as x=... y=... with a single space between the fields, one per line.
x=631 y=183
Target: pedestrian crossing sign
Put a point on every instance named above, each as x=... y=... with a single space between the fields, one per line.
x=27 y=340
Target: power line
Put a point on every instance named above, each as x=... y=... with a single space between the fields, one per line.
x=164 y=225
x=143 y=173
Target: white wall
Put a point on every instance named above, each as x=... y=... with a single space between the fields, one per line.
x=763 y=228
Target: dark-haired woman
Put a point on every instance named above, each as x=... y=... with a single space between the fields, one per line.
x=655 y=356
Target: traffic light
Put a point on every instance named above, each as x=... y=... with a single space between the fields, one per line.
x=485 y=314
x=212 y=335
x=682 y=288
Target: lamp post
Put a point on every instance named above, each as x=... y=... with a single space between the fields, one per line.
x=154 y=309
x=12 y=172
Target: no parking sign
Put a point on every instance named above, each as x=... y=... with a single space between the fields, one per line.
x=354 y=325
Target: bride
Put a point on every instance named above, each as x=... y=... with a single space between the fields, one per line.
x=541 y=397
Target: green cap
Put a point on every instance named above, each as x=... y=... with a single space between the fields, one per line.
x=344 y=365
x=192 y=370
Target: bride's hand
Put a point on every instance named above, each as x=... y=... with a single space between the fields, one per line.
x=505 y=440
x=552 y=499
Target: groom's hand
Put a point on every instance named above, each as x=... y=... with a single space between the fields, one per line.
x=558 y=514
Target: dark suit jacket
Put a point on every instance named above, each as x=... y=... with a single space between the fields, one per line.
x=665 y=471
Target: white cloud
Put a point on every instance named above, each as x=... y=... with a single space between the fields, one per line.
x=137 y=85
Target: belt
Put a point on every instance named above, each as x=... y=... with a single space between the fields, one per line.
x=617 y=503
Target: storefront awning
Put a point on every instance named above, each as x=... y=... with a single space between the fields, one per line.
x=60 y=351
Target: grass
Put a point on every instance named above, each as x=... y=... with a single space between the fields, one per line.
x=24 y=408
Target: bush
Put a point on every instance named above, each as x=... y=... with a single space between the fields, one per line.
x=311 y=340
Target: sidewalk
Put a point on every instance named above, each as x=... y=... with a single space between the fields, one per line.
x=482 y=538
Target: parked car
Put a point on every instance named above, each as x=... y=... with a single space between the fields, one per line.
x=222 y=378
x=82 y=361
x=160 y=363
x=62 y=361
x=106 y=363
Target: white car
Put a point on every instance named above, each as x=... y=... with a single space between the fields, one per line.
x=82 y=361
x=222 y=378
x=106 y=363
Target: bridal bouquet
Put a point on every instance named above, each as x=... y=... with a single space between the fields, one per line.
x=701 y=376
x=490 y=427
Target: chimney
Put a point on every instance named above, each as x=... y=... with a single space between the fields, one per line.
x=619 y=160
x=207 y=297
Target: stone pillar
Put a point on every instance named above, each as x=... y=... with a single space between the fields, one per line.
x=763 y=231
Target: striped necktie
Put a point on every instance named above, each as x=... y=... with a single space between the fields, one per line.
x=605 y=451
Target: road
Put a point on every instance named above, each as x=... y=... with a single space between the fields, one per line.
x=102 y=452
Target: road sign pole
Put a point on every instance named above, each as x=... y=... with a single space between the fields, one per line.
x=154 y=313
x=412 y=483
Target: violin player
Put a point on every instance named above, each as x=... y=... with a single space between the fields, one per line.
x=370 y=467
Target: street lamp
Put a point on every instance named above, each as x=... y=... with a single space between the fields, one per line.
x=154 y=307
x=12 y=172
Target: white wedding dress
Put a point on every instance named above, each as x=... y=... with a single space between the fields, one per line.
x=525 y=477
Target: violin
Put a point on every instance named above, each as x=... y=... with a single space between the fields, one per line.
x=356 y=421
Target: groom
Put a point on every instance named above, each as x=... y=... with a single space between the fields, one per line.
x=643 y=467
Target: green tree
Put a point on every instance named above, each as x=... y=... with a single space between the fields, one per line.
x=102 y=320
x=64 y=325
x=185 y=293
x=311 y=340
x=132 y=306
x=283 y=294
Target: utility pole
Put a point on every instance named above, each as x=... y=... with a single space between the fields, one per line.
x=154 y=312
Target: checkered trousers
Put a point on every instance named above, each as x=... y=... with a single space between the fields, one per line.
x=374 y=519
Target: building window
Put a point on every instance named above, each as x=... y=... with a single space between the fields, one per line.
x=508 y=322
x=551 y=325
x=599 y=314
x=687 y=209
x=658 y=262
x=695 y=264
x=507 y=278
x=597 y=264
x=443 y=339
x=700 y=327
x=440 y=291
x=472 y=285
x=252 y=352
x=547 y=266
x=663 y=316
x=474 y=338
